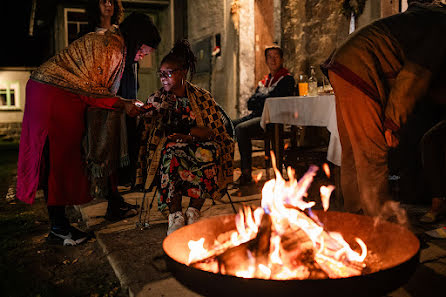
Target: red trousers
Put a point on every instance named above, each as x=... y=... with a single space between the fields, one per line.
x=57 y=115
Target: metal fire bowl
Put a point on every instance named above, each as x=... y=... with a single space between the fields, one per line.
x=396 y=247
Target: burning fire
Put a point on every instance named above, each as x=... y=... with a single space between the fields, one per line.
x=282 y=239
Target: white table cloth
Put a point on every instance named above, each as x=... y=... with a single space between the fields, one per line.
x=306 y=111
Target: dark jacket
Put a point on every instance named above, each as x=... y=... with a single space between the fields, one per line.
x=285 y=87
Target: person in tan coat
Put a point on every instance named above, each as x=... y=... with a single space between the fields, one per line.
x=378 y=75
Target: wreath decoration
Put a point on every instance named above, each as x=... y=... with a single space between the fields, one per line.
x=352 y=6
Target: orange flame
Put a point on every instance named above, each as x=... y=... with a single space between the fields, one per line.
x=326 y=169
x=258 y=176
x=284 y=202
x=325 y=196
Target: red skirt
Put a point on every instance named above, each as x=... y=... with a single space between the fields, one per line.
x=57 y=115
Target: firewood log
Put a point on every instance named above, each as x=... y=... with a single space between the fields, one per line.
x=241 y=257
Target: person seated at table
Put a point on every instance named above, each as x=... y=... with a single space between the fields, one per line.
x=278 y=83
x=184 y=141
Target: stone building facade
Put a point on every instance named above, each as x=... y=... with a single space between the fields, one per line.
x=228 y=37
x=12 y=97
x=307 y=30
x=59 y=22
x=312 y=29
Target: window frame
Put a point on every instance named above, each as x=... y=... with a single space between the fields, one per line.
x=66 y=10
x=8 y=86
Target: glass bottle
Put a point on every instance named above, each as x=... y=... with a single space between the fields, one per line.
x=312 y=82
x=327 y=87
x=303 y=85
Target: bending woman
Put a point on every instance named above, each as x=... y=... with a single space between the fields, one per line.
x=184 y=140
x=86 y=73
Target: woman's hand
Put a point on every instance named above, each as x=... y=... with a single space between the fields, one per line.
x=132 y=107
x=176 y=137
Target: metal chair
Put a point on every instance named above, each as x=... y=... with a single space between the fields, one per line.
x=144 y=219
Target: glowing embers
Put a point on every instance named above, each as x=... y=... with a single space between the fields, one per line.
x=282 y=239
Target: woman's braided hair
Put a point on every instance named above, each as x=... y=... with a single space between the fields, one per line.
x=181 y=54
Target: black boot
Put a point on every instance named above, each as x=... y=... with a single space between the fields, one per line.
x=118 y=209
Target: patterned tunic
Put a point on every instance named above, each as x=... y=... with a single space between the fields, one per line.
x=187 y=169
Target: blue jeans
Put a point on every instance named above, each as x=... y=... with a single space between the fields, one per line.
x=247 y=128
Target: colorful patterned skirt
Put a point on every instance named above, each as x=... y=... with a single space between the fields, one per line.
x=188 y=169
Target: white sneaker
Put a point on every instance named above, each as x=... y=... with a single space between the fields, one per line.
x=176 y=221
x=192 y=215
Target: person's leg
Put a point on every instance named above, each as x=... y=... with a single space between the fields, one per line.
x=175 y=203
x=117 y=208
x=362 y=119
x=56 y=213
x=193 y=213
x=176 y=217
x=242 y=119
x=61 y=232
x=349 y=182
x=196 y=203
x=170 y=187
x=245 y=131
x=433 y=150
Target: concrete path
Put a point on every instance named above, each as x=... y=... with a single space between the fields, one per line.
x=136 y=253
x=138 y=260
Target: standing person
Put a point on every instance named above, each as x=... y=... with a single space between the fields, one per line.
x=184 y=140
x=105 y=174
x=378 y=75
x=86 y=73
x=278 y=83
x=103 y=14
x=433 y=150
x=129 y=89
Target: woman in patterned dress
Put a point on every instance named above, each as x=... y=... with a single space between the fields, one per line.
x=184 y=141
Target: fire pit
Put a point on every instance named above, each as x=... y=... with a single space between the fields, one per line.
x=285 y=249
x=396 y=248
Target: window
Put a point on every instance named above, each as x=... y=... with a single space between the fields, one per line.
x=9 y=95
x=75 y=22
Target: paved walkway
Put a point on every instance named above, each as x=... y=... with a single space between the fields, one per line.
x=138 y=260
x=136 y=253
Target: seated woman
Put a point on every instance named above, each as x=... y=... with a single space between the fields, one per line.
x=184 y=141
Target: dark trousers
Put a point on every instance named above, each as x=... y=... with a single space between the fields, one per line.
x=433 y=153
x=247 y=128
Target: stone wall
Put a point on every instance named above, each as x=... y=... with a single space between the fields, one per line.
x=206 y=19
x=311 y=30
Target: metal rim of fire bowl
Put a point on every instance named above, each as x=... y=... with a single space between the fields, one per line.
x=396 y=244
